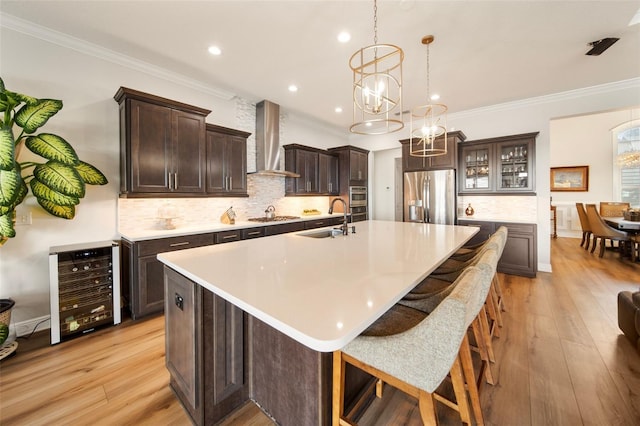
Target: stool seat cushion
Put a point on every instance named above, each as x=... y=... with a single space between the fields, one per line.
x=429 y=286
x=396 y=320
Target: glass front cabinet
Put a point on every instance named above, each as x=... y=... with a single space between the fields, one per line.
x=498 y=165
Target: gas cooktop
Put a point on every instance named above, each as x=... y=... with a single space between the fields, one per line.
x=273 y=219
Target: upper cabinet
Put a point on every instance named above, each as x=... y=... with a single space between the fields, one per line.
x=446 y=161
x=503 y=165
x=318 y=171
x=162 y=145
x=226 y=164
x=353 y=165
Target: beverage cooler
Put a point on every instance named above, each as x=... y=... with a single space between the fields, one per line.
x=84 y=284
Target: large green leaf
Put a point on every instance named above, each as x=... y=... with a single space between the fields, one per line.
x=40 y=190
x=7 y=149
x=10 y=186
x=65 y=212
x=90 y=174
x=6 y=226
x=52 y=147
x=32 y=116
x=1 y=85
x=61 y=178
x=22 y=193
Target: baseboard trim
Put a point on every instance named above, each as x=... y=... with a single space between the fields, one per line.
x=24 y=328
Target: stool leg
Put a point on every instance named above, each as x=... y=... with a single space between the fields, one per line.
x=338 y=387
x=470 y=379
x=427 y=409
x=457 y=380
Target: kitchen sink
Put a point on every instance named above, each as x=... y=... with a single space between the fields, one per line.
x=322 y=233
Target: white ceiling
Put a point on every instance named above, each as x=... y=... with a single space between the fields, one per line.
x=485 y=52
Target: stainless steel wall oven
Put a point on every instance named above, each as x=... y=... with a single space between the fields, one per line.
x=358 y=203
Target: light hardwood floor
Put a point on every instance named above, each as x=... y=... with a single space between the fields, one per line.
x=561 y=361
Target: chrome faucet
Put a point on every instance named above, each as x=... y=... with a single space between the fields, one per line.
x=345 y=223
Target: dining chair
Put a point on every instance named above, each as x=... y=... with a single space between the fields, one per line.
x=584 y=224
x=613 y=208
x=414 y=351
x=601 y=230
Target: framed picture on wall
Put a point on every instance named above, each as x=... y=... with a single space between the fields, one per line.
x=574 y=178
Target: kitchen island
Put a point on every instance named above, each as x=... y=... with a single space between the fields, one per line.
x=259 y=318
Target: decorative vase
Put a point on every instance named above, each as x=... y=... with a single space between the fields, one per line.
x=469 y=210
x=5 y=320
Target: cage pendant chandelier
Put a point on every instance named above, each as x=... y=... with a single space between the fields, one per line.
x=428 y=128
x=377 y=86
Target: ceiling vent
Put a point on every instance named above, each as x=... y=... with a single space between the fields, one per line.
x=599 y=46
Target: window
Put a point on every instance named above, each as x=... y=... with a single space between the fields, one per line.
x=626 y=145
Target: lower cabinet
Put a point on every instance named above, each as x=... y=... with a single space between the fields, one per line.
x=206 y=340
x=520 y=254
x=142 y=282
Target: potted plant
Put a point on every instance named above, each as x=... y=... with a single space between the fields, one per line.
x=58 y=183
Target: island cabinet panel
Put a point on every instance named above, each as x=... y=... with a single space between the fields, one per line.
x=162 y=146
x=449 y=160
x=205 y=350
x=226 y=161
x=183 y=341
x=291 y=382
x=143 y=279
x=520 y=254
x=225 y=372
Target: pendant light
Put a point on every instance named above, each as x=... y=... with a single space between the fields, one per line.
x=428 y=129
x=377 y=86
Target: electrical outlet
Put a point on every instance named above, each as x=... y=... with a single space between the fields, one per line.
x=23 y=216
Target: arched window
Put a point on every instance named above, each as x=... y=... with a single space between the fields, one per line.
x=626 y=168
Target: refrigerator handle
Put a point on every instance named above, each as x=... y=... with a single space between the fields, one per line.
x=427 y=209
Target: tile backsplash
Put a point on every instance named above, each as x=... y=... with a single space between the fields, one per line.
x=142 y=213
x=507 y=208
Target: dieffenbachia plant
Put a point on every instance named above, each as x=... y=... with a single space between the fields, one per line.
x=58 y=183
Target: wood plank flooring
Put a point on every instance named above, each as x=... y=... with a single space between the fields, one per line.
x=561 y=360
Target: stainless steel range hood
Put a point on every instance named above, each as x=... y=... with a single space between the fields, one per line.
x=268 y=140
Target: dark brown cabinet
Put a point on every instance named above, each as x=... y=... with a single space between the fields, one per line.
x=206 y=340
x=162 y=146
x=328 y=174
x=142 y=280
x=446 y=161
x=183 y=340
x=304 y=161
x=354 y=166
x=520 y=254
x=503 y=165
x=226 y=155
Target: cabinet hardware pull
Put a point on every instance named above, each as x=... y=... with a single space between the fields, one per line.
x=230 y=183
x=254 y=233
x=169 y=176
x=175 y=181
x=184 y=243
x=230 y=236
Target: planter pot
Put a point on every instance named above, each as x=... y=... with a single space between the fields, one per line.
x=5 y=321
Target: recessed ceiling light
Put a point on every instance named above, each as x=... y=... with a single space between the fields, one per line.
x=215 y=50
x=435 y=97
x=293 y=88
x=338 y=109
x=344 y=37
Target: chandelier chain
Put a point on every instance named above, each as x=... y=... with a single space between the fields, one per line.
x=428 y=83
x=375 y=22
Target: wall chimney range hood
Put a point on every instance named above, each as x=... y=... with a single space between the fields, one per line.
x=268 y=140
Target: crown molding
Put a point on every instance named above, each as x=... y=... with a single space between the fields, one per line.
x=632 y=83
x=29 y=28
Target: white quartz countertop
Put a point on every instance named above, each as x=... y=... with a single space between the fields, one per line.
x=322 y=292
x=140 y=234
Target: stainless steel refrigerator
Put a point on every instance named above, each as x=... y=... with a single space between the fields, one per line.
x=430 y=196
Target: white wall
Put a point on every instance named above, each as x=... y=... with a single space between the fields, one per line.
x=529 y=115
x=585 y=140
x=86 y=81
